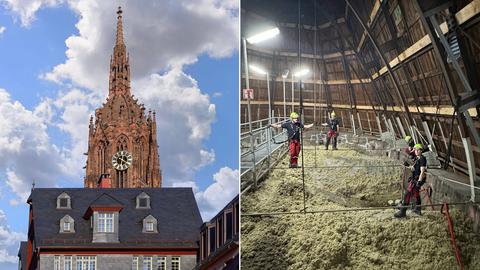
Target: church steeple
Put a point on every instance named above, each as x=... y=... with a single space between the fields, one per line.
x=119 y=63
x=122 y=140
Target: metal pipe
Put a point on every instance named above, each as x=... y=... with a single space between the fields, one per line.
x=269 y=120
x=323 y=211
x=293 y=96
x=247 y=84
x=284 y=102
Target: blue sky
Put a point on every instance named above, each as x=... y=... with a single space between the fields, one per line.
x=46 y=117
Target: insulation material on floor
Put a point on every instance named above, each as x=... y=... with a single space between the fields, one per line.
x=349 y=240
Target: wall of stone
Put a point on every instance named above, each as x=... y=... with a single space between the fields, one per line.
x=118 y=262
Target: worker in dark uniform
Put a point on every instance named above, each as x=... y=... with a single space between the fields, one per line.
x=418 y=178
x=332 y=124
x=410 y=150
x=293 y=128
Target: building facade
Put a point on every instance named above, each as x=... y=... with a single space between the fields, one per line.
x=105 y=228
x=219 y=240
x=122 y=139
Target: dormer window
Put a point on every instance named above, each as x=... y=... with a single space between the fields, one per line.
x=63 y=201
x=66 y=227
x=150 y=224
x=143 y=201
x=67 y=224
x=105 y=222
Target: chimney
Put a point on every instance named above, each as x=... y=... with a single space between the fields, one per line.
x=105 y=181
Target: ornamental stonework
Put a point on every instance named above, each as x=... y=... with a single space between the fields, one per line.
x=122 y=141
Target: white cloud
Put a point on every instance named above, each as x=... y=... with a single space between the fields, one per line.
x=219 y=193
x=9 y=241
x=184 y=118
x=2 y=29
x=175 y=33
x=13 y=202
x=25 y=150
x=26 y=9
x=217 y=94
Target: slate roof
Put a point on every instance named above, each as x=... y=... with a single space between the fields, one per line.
x=175 y=209
x=22 y=253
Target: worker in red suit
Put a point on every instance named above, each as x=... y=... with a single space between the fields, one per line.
x=418 y=178
x=332 y=134
x=293 y=127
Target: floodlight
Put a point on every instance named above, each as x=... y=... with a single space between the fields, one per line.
x=263 y=36
x=301 y=72
x=285 y=73
x=258 y=70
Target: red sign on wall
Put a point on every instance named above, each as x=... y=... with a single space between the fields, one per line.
x=247 y=93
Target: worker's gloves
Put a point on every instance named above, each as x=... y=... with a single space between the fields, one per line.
x=420 y=183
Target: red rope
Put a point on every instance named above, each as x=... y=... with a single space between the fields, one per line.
x=444 y=211
x=427 y=192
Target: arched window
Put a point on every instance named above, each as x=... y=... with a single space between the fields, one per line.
x=122 y=144
x=101 y=154
x=140 y=157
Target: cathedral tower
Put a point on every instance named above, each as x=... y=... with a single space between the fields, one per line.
x=122 y=143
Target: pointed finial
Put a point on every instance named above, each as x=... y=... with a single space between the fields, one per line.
x=33 y=184
x=119 y=27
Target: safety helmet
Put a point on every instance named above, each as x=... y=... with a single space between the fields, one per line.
x=294 y=115
x=333 y=114
x=418 y=146
x=408 y=138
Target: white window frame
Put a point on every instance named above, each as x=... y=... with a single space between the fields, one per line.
x=69 y=259
x=148 y=266
x=176 y=260
x=56 y=262
x=135 y=261
x=149 y=226
x=66 y=226
x=106 y=222
x=86 y=262
x=161 y=263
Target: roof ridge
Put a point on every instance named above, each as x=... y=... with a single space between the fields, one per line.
x=109 y=196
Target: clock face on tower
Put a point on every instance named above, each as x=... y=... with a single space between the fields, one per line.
x=122 y=160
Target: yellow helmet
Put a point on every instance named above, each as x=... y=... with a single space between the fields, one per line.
x=333 y=114
x=408 y=138
x=418 y=146
x=294 y=115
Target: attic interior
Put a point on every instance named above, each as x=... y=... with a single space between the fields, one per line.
x=386 y=71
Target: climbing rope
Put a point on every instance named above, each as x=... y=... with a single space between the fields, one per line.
x=444 y=211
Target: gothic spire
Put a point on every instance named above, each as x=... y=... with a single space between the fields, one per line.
x=119 y=63
x=119 y=40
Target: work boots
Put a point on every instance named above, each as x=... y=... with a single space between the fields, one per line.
x=417 y=210
x=334 y=143
x=401 y=213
